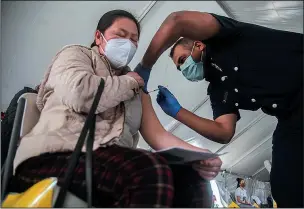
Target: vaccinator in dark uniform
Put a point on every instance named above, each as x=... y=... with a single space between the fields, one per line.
x=249 y=67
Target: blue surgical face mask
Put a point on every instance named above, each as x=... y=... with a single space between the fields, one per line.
x=191 y=70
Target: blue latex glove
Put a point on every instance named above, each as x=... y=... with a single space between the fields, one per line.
x=144 y=73
x=167 y=101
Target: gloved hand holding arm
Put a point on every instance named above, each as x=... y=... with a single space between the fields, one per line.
x=188 y=24
x=145 y=74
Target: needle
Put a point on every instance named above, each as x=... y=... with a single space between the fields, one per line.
x=154 y=90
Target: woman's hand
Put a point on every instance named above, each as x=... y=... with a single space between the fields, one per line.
x=208 y=169
x=139 y=79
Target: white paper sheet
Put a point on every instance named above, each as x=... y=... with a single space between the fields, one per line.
x=177 y=155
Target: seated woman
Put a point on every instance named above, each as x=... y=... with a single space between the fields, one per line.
x=123 y=176
x=241 y=194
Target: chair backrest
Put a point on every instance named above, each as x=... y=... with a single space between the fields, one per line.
x=30 y=118
x=31 y=113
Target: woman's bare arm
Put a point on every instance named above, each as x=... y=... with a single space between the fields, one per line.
x=154 y=133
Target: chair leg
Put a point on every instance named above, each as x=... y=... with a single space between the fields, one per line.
x=8 y=166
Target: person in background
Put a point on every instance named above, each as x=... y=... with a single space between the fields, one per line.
x=248 y=67
x=8 y=121
x=241 y=194
x=123 y=176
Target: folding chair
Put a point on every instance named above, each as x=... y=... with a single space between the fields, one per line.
x=46 y=193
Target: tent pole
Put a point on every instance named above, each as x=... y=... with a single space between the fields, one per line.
x=236 y=174
x=226 y=9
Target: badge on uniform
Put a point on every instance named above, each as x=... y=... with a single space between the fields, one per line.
x=225 y=97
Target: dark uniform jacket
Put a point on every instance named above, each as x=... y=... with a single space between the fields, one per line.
x=251 y=67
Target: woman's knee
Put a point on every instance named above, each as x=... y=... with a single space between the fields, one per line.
x=151 y=166
x=150 y=182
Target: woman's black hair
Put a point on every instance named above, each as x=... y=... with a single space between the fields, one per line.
x=239 y=182
x=108 y=18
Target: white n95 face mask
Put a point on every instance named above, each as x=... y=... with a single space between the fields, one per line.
x=119 y=51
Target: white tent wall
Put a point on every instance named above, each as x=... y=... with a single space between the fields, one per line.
x=281 y=15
